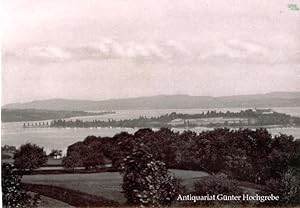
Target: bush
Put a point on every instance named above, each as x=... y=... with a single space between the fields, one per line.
x=287 y=188
x=12 y=194
x=147 y=181
x=218 y=184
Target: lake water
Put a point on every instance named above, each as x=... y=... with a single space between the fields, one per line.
x=60 y=138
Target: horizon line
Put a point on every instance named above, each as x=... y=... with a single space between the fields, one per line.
x=147 y=96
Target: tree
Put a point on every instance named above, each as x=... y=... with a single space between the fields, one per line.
x=147 y=181
x=12 y=193
x=122 y=144
x=75 y=155
x=30 y=156
x=88 y=154
x=94 y=156
x=72 y=160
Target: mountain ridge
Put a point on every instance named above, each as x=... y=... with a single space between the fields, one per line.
x=183 y=101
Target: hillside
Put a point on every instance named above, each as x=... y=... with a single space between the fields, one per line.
x=275 y=99
x=15 y=115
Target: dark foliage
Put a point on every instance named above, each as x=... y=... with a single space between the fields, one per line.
x=88 y=154
x=287 y=187
x=8 y=148
x=217 y=184
x=30 y=156
x=121 y=145
x=147 y=181
x=243 y=154
x=12 y=193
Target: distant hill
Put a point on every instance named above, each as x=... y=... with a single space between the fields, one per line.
x=275 y=99
x=17 y=115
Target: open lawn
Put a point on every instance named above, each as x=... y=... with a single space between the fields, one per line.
x=69 y=196
x=107 y=184
x=49 y=203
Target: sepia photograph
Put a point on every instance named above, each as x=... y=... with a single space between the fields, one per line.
x=140 y=103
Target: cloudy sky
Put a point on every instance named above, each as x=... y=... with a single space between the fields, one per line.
x=96 y=49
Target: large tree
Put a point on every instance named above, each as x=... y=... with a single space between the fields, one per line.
x=30 y=156
x=88 y=154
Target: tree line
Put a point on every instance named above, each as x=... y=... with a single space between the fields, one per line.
x=243 y=155
x=143 y=158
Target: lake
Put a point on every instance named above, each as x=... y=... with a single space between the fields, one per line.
x=60 y=138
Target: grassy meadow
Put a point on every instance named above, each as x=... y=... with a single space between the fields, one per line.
x=107 y=184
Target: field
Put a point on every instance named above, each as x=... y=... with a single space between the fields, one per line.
x=49 y=203
x=107 y=184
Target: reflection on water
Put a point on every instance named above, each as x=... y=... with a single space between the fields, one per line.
x=60 y=138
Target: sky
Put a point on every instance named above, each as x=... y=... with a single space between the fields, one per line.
x=96 y=49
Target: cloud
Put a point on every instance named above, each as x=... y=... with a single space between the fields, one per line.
x=48 y=53
x=170 y=51
x=248 y=52
x=235 y=51
x=37 y=53
x=112 y=49
x=105 y=49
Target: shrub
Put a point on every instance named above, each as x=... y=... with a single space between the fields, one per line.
x=12 y=194
x=218 y=184
x=287 y=188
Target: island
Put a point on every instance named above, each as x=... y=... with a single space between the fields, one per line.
x=244 y=118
